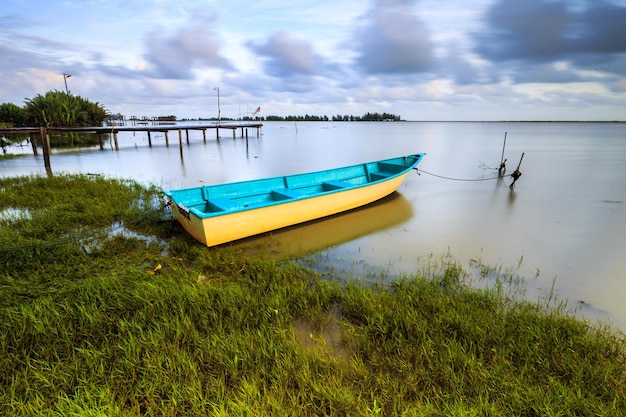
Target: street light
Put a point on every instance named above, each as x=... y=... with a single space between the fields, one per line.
x=219 y=118
x=65 y=77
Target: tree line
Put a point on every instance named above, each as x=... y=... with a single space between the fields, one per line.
x=368 y=117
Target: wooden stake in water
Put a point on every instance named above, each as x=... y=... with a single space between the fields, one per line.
x=516 y=174
x=502 y=168
x=45 y=146
x=503 y=145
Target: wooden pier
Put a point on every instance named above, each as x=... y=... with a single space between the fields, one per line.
x=114 y=130
x=43 y=133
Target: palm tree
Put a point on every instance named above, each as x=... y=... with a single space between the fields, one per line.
x=59 y=109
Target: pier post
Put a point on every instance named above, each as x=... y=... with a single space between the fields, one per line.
x=117 y=146
x=204 y=135
x=234 y=133
x=149 y=139
x=217 y=133
x=180 y=141
x=167 y=139
x=34 y=145
x=187 y=135
x=45 y=145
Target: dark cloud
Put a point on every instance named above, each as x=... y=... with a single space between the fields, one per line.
x=176 y=55
x=545 y=73
x=602 y=29
x=392 y=40
x=286 y=56
x=530 y=29
x=549 y=30
x=291 y=60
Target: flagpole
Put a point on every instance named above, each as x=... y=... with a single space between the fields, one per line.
x=219 y=111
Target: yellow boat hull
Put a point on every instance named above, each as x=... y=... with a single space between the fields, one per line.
x=232 y=226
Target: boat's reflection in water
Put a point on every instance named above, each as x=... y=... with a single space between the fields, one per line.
x=321 y=234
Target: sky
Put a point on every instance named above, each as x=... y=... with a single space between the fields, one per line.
x=419 y=59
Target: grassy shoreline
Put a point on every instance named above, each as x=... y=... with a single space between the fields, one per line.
x=103 y=319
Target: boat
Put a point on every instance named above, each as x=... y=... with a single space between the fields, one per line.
x=221 y=213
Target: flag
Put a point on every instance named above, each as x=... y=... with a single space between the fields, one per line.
x=258 y=110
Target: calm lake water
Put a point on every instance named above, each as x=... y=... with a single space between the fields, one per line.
x=565 y=219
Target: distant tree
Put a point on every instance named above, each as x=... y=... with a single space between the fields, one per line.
x=11 y=115
x=60 y=109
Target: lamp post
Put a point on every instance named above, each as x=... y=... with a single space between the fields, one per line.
x=65 y=77
x=219 y=111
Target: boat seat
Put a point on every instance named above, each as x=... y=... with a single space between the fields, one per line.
x=390 y=167
x=335 y=185
x=285 y=193
x=375 y=176
x=221 y=204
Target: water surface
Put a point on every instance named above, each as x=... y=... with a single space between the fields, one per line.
x=566 y=217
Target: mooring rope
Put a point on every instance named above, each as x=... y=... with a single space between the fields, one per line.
x=419 y=171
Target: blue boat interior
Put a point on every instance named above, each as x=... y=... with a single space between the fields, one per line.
x=222 y=198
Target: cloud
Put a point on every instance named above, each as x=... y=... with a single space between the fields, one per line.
x=554 y=41
x=393 y=40
x=602 y=29
x=293 y=61
x=174 y=56
x=532 y=29
x=456 y=65
x=548 y=30
x=285 y=55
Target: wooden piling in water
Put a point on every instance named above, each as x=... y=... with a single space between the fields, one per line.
x=45 y=145
x=34 y=146
x=503 y=146
x=180 y=141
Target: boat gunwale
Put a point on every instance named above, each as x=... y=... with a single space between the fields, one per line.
x=187 y=211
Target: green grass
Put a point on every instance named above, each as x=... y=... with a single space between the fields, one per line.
x=94 y=322
x=4 y=156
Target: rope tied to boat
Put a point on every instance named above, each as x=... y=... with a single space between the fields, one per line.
x=515 y=175
x=420 y=171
